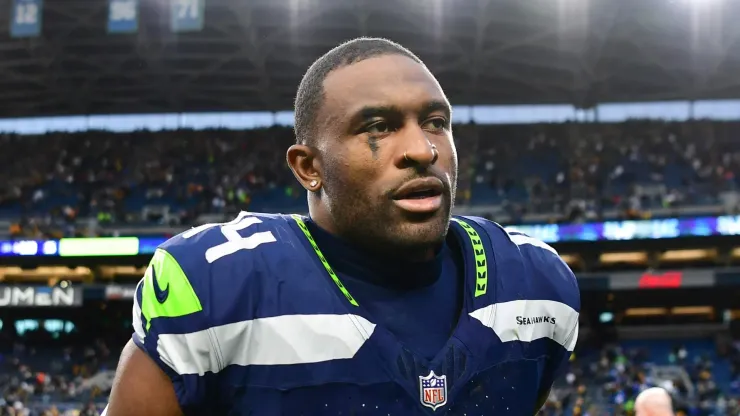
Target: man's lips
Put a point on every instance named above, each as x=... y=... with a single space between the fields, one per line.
x=423 y=195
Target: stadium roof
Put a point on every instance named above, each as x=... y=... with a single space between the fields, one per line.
x=251 y=54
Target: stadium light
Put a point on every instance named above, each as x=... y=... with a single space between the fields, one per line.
x=696 y=4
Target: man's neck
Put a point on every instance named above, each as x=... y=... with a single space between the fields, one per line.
x=389 y=251
x=382 y=249
x=387 y=268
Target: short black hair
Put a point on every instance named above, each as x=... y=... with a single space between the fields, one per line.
x=310 y=94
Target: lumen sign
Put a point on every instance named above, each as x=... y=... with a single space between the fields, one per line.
x=20 y=296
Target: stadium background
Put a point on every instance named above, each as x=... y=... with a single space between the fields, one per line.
x=606 y=128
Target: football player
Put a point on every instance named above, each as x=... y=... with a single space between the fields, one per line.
x=377 y=303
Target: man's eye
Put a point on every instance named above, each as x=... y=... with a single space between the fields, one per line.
x=436 y=124
x=378 y=128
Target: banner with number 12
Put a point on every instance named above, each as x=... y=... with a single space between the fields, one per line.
x=25 y=18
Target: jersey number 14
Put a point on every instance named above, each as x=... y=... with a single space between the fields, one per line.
x=234 y=240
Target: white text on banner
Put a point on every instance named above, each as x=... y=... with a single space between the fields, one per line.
x=25 y=18
x=186 y=15
x=123 y=16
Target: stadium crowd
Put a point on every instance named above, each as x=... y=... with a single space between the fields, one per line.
x=38 y=381
x=608 y=381
x=55 y=382
x=570 y=172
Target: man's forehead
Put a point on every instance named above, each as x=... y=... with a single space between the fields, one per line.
x=389 y=80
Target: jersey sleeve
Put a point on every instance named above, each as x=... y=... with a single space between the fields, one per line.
x=554 y=280
x=196 y=287
x=166 y=312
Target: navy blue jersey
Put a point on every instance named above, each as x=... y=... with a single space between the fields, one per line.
x=249 y=318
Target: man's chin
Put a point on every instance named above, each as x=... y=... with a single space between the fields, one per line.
x=429 y=230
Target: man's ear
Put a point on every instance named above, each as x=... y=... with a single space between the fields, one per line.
x=303 y=161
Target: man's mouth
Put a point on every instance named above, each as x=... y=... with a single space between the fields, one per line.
x=421 y=196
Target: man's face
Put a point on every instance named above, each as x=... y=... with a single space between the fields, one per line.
x=382 y=182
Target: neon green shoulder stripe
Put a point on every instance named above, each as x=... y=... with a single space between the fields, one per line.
x=334 y=277
x=166 y=291
x=481 y=263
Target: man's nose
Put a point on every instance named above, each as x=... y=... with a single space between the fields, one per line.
x=417 y=150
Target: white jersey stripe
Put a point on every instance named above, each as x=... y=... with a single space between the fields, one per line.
x=138 y=325
x=280 y=340
x=520 y=239
x=529 y=320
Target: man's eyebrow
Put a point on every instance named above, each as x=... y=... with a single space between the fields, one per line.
x=434 y=106
x=373 y=111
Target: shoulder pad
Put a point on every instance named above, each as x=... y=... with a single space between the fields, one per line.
x=533 y=282
x=193 y=271
x=549 y=276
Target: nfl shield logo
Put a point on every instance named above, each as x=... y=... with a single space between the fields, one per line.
x=433 y=390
